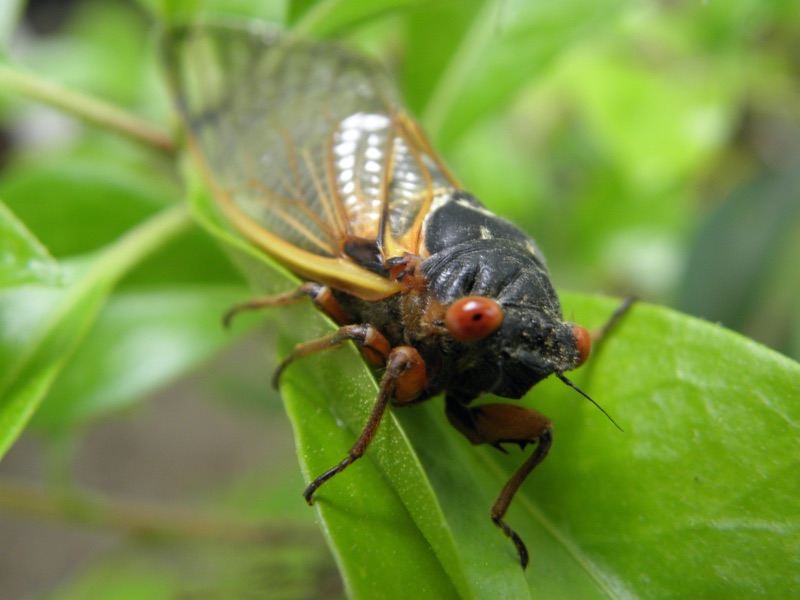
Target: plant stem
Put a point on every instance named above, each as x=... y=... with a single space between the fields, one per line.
x=139 y=519
x=31 y=373
x=85 y=107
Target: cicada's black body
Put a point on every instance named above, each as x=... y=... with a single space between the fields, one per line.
x=312 y=157
x=475 y=253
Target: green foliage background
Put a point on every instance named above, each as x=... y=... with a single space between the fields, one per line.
x=650 y=148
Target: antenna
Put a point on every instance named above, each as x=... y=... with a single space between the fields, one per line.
x=582 y=393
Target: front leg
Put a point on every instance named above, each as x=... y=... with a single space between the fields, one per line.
x=496 y=424
x=403 y=380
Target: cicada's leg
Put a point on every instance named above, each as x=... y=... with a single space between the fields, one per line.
x=402 y=381
x=497 y=424
x=623 y=308
x=320 y=295
x=375 y=348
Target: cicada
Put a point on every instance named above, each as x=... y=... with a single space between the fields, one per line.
x=311 y=156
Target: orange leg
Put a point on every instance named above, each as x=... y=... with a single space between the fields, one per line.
x=402 y=381
x=320 y=295
x=623 y=308
x=500 y=506
x=497 y=424
x=370 y=341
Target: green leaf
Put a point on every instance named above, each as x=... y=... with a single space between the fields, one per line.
x=183 y=11
x=141 y=340
x=23 y=259
x=328 y=17
x=604 y=511
x=755 y=228
x=504 y=47
x=619 y=96
x=10 y=14
x=676 y=506
x=124 y=76
x=78 y=205
x=32 y=353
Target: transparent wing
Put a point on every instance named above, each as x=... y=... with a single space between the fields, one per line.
x=304 y=141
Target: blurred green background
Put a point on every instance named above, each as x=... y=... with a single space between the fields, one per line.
x=651 y=148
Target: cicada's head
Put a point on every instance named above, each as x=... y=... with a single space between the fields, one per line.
x=503 y=316
x=506 y=350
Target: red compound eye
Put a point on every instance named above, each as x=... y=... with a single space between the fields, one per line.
x=473 y=318
x=583 y=342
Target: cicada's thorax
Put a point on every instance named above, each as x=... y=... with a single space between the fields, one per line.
x=472 y=252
